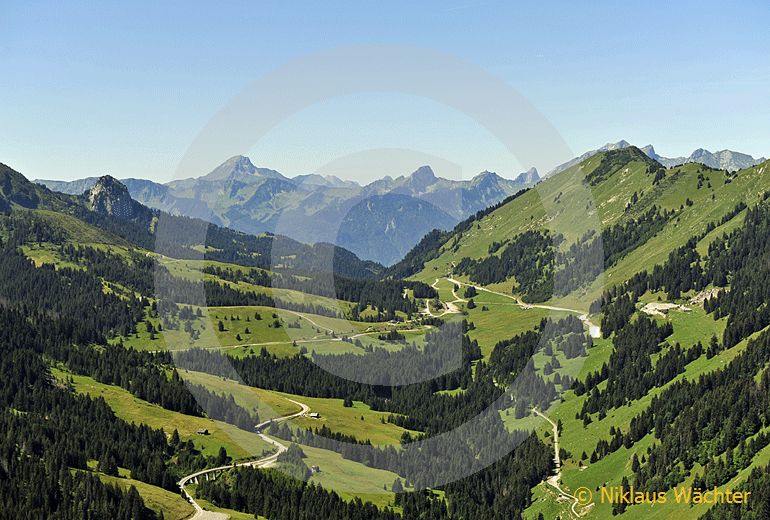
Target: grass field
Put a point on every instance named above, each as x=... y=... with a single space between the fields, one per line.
x=173 y=506
x=359 y=420
x=503 y=321
x=267 y=404
x=334 y=415
x=276 y=330
x=239 y=443
x=350 y=479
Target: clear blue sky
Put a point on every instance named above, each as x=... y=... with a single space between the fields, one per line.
x=123 y=88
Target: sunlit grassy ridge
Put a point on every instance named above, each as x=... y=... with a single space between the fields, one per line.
x=565 y=204
x=239 y=443
x=359 y=420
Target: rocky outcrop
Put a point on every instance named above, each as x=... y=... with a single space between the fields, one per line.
x=110 y=197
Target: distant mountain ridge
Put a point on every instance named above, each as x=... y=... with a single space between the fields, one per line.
x=108 y=207
x=721 y=160
x=313 y=208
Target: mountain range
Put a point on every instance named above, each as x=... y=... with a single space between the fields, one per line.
x=108 y=207
x=380 y=221
x=722 y=160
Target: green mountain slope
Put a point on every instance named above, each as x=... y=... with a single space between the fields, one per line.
x=614 y=188
x=684 y=254
x=672 y=240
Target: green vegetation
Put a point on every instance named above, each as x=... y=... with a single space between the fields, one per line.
x=358 y=420
x=237 y=442
x=173 y=506
x=350 y=479
x=683 y=306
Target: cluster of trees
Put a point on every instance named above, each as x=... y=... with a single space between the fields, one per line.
x=757 y=507
x=278 y=496
x=24 y=227
x=741 y=259
x=28 y=489
x=696 y=421
x=629 y=371
x=614 y=160
x=528 y=258
x=297 y=375
x=292 y=462
x=720 y=471
x=387 y=296
x=584 y=260
x=83 y=311
x=134 y=272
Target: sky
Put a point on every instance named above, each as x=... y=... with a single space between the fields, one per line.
x=125 y=88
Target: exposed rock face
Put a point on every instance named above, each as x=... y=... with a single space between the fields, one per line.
x=722 y=160
x=110 y=197
x=529 y=177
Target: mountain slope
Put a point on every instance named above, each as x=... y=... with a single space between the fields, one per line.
x=623 y=188
x=673 y=393
x=399 y=219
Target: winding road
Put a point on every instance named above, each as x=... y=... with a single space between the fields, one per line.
x=202 y=514
x=555 y=479
x=593 y=330
x=451 y=308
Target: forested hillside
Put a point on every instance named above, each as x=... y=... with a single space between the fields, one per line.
x=673 y=394
x=360 y=394
x=84 y=356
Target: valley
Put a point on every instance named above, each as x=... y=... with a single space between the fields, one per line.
x=246 y=383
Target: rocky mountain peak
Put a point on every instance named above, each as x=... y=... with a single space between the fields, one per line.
x=530 y=176
x=236 y=166
x=422 y=177
x=620 y=145
x=109 y=196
